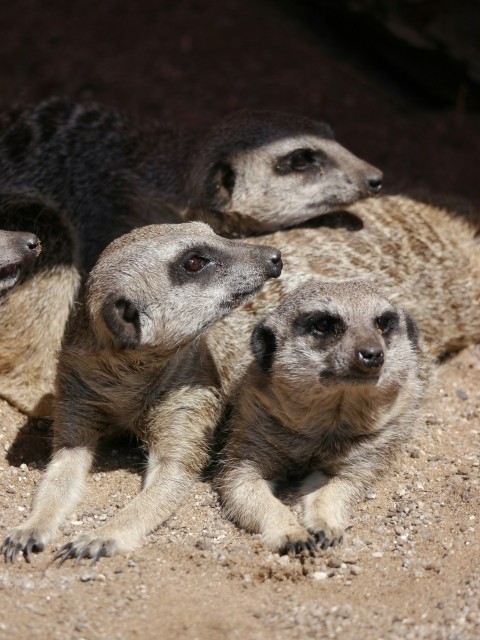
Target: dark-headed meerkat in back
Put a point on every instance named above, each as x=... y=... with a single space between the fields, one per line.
x=252 y=172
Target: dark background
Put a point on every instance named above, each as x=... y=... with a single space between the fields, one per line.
x=361 y=66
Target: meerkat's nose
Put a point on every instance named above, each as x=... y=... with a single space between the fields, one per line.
x=370 y=358
x=29 y=243
x=374 y=181
x=274 y=263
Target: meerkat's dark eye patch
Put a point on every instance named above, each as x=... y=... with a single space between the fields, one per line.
x=122 y=317
x=387 y=322
x=300 y=160
x=263 y=344
x=319 y=324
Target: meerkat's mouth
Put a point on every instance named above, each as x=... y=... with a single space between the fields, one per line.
x=239 y=298
x=333 y=380
x=8 y=276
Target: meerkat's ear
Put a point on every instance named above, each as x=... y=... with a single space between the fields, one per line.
x=220 y=184
x=412 y=330
x=264 y=345
x=123 y=320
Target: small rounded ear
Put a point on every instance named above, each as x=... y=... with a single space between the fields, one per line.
x=263 y=344
x=412 y=330
x=123 y=319
x=220 y=184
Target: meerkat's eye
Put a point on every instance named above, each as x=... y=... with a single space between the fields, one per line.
x=302 y=159
x=194 y=264
x=386 y=322
x=324 y=325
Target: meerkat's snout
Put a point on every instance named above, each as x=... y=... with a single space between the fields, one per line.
x=374 y=181
x=16 y=250
x=370 y=358
x=273 y=262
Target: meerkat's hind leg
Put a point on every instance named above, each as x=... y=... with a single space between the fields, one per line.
x=248 y=499
x=325 y=507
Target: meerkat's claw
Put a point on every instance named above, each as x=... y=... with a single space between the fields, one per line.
x=33 y=545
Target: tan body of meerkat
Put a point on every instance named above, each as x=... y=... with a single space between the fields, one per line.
x=423 y=257
x=329 y=396
x=130 y=362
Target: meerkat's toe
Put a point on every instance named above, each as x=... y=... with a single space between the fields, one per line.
x=295 y=541
x=294 y=548
x=85 y=547
x=326 y=536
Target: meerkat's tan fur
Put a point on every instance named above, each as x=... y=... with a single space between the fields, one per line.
x=330 y=395
x=425 y=258
x=133 y=360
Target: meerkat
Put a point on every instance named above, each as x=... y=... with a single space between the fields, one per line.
x=133 y=360
x=330 y=395
x=17 y=251
x=251 y=172
x=34 y=312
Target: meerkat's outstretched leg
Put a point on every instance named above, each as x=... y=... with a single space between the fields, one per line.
x=175 y=460
x=59 y=492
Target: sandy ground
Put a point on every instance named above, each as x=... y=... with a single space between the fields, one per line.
x=410 y=565
x=408 y=568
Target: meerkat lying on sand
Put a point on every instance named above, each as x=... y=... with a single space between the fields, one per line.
x=17 y=251
x=132 y=360
x=330 y=396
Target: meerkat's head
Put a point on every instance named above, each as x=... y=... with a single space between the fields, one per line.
x=161 y=285
x=343 y=336
x=260 y=171
x=17 y=250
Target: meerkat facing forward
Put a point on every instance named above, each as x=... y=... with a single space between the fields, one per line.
x=133 y=361
x=331 y=393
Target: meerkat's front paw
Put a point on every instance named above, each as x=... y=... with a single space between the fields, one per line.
x=291 y=542
x=327 y=535
x=87 y=546
x=25 y=540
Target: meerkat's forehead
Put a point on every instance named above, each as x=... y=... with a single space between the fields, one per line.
x=288 y=144
x=343 y=298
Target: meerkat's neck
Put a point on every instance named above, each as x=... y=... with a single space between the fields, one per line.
x=352 y=409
